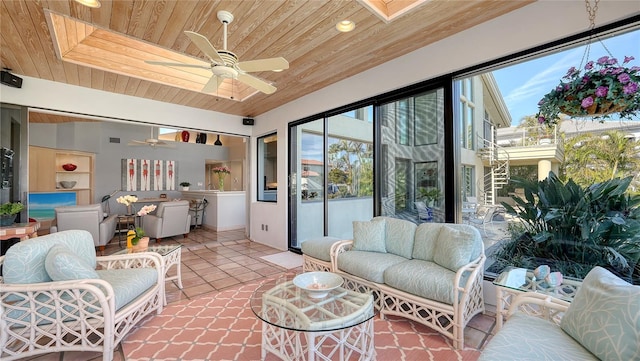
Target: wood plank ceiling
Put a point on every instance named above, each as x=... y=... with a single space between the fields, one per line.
x=303 y=32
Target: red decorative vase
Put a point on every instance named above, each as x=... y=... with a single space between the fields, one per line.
x=185 y=136
x=69 y=167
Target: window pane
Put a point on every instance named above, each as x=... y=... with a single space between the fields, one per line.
x=268 y=168
x=413 y=173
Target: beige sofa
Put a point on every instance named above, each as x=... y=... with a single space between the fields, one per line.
x=431 y=273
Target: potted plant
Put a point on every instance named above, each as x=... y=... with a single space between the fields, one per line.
x=601 y=89
x=136 y=239
x=430 y=195
x=8 y=212
x=185 y=186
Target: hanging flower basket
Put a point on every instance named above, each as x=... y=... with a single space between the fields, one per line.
x=602 y=89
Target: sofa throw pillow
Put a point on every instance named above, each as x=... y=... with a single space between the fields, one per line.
x=453 y=248
x=63 y=265
x=369 y=236
x=604 y=316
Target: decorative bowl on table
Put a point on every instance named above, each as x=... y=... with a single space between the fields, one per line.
x=69 y=167
x=67 y=184
x=318 y=284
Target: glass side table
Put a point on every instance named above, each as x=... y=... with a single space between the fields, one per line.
x=172 y=256
x=296 y=326
x=513 y=281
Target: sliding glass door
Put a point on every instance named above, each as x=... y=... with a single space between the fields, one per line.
x=331 y=175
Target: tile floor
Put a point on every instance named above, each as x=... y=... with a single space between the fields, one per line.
x=216 y=261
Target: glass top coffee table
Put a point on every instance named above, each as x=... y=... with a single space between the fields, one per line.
x=513 y=281
x=172 y=256
x=298 y=327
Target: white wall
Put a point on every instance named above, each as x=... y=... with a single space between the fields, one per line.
x=55 y=96
x=535 y=24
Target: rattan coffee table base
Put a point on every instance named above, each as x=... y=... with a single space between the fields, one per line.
x=354 y=343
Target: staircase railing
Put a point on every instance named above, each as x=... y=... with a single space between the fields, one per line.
x=498 y=176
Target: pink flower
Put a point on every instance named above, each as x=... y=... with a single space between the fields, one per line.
x=587 y=102
x=624 y=78
x=571 y=72
x=630 y=88
x=612 y=61
x=603 y=60
x=602 y=91
x=146 y=209
x=617 y=70
x=627 y=59
x=589 y=65
x=541 y=120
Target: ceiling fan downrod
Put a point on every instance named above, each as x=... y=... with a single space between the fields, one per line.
x=226 y=18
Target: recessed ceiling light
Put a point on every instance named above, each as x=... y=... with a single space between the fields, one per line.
x=277 y=70
x=90 y=3
x=345 y=26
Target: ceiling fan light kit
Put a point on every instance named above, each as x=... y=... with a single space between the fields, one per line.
x=90 y=3
x=224 y=64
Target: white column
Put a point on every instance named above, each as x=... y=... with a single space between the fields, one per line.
x=544 y=166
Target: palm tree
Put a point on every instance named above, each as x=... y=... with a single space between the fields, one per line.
x=593 y=158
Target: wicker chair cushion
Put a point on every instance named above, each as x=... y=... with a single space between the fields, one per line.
x=129 y=283
x=24 y=261
x=367 y=265
x=422 y=278
x=62 y=264
x=529 y=338
x=319 y=248
x=605 y=316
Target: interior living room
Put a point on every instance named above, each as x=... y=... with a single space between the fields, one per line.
x=272 y=140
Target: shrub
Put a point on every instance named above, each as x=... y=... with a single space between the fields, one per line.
x=574 y=228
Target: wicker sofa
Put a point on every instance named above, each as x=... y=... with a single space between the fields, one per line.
x=56 y=296
x=431 y=273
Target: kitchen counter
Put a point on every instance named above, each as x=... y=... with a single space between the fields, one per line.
x=225 y=210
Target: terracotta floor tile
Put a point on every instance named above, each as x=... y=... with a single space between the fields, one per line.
x=227 y=329
x=198 y=290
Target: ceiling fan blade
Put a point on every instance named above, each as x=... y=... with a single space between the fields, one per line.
x=205 y=46
x=213 y=84
x=136 y=142
x=254 y=82
x=177 y=64
x=264 y=64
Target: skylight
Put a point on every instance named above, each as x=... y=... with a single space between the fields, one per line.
x=87 y=45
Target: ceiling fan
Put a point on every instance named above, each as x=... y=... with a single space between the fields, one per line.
x=151 y=142
x=224 y=64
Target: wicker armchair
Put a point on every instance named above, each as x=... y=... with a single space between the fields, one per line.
x=90 y=306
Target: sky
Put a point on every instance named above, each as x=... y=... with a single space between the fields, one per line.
x=523 y=85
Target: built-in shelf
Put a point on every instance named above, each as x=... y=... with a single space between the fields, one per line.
x=46 y=172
